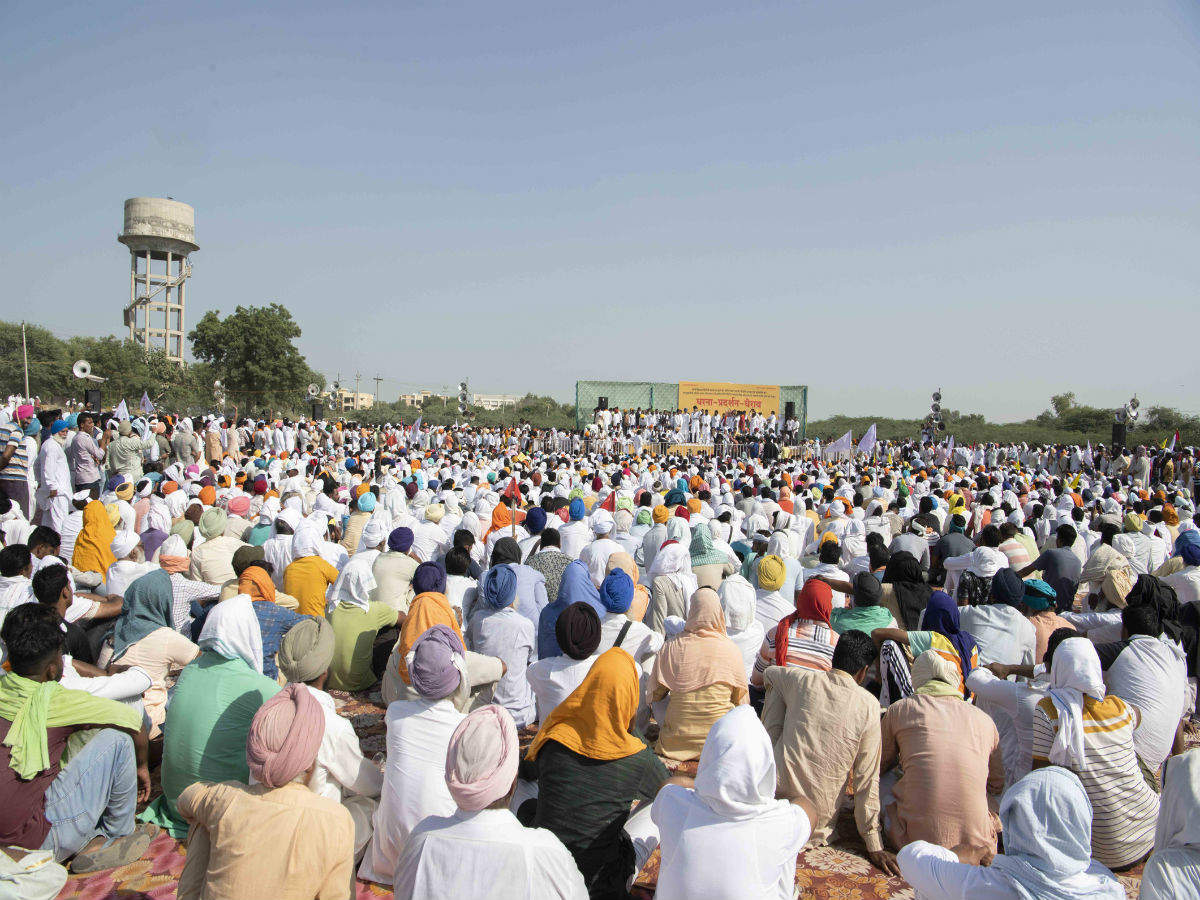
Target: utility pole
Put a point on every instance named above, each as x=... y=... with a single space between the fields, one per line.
x=25 y=354
x=357 y=401
x=377 y=379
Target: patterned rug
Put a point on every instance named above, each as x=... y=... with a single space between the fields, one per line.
x=840 y=871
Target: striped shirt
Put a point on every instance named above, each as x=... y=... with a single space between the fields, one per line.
x=1124 y=807
x=810 y=646
x=12 y=435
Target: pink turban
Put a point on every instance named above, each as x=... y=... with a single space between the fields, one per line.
x=285 y=736
x=481 y=762
x=25 y=411
x=239 y=505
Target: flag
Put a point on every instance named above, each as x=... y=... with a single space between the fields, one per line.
x=1171 y=447
x=867 y=444
x=513 y=490
x=147 y=406
x=841 y=445
x=415 y=430
x=610 y=502
x=122 y=411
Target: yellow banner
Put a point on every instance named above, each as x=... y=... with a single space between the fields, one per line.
x=723 y=396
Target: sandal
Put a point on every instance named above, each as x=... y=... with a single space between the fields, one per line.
x=115 y=852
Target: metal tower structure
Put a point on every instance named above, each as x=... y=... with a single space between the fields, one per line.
x=160 y=233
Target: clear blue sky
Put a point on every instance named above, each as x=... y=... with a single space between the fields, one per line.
x=873 y=198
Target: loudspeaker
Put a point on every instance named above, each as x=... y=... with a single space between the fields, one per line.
x=1119 y=434
x=316 y=410
x=91 y=400
x=789 y=410
x=604 y=403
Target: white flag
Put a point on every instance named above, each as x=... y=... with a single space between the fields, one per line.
x=841 y=445
x=867 y=444
x=122 y=411
x=147 y=406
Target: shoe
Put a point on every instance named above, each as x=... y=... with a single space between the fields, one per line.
x=116 y=851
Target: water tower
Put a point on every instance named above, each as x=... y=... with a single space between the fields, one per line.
x=160 y=233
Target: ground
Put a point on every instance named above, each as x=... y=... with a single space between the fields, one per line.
x=837 y=872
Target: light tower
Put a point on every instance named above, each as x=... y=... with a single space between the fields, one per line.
x=160 y=233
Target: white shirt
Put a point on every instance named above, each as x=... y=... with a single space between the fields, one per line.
x=414 y=780
x=486 y=854
x=936 y=874
x=1150 y=673
x=341 y=768
x=1011 y=705
x=707 y=855
x=640 y=641
x=460 y=591
x=982 y=561
x=1186 y=583
x=1002 y=633
x=595 y=556
x=554 y=678
x=573 y=537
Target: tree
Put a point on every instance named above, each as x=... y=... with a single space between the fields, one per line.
x=1061 y=403
x=252 y=351
x=49 y=365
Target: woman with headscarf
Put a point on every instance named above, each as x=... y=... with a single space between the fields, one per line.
x=709 y=564
x=728 y=837
x=419 y=728
x=1173 y=869
x=590 y=769
x=948 y=754
x=497 y=629
x=575 y=586
x=1079 y=728
x=212 y=706
x=482 y=849
x=144 y=635
x=803 y=638
x=672 y=582
x=1047 y=823
x=905 y=593
x=308 y=576
x=553 y=678
x=93 y=546
x=942 y=633
x=704 y=675
x=741 y=625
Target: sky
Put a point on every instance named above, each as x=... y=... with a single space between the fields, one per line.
x=871 y=198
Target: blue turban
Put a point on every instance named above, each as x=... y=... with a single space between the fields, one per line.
x=57 y=426
x=400 y=540
x=1039 y=595
x=366 y=502
x=576 y=510
x=114 y=482
x=616 y=591
x=1189 y=551
x=429 y=578
x=1007 y=587
x=499 y=586
x=535 y=520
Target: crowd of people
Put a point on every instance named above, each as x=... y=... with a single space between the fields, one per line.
x=988 y=654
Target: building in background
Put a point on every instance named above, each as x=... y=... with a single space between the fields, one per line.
x=417 y=398
x=160 y=234
x=494 y=401
x=343 y=400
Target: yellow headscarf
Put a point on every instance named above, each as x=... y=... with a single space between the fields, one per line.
x=594 y=720
x=93 y=547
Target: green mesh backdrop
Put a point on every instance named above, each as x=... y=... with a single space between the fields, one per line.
x=662 y=395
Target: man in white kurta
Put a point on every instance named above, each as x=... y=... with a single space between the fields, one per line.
x=53 y=474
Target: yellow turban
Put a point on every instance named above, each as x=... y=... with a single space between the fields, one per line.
x=660 y=514
x=694 y=505
x=771 y=571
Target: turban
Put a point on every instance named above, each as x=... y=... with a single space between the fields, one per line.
x=682 y=513
x=616 y=591
x=694 y=505
x=576 y=510
x=169 y=487
x=124 y=543
x=660 y=514
x=1007 y=587
x=400 y=540
x=59 y=425
x=429 y=577
x=239 y=506
x=1038 y=595
x=114 y=482
x=1132 y=522
x=212 y=523
x=1116 y=586
x=644 y=516
x=208 y=495
x=306 y=651
x=577 y=630
x=602 y=522
x=25 y=411
x=623 y=520
x=372 y=534
x=260 y=485
x=499 y=586
x=481 y=761
x=932 y=666
x=435 y=512
x=535 y=521
x=432 y=669
x=771 y=572
x=868 y=590
x=243 y=556
x=1190 y=553
x=284 y=737
x=125 y=491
